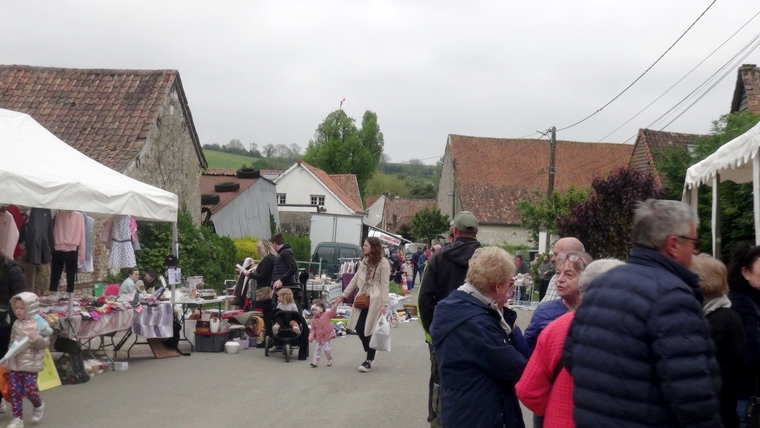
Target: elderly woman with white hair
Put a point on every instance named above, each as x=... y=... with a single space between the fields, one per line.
x=546 y=387
x=480 y=356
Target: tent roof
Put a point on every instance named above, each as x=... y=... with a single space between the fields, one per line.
x=731 y=161
x=39 y=170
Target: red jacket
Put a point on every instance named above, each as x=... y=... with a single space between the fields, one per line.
x=535 y=389
x=321 y=325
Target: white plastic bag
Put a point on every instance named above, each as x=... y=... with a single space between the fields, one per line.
x=381 y=338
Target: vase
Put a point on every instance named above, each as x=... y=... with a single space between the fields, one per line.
x=214 y=324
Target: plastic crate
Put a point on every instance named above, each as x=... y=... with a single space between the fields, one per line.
x=210 y=342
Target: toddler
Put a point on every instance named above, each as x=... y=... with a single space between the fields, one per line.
x=322 y=330
x=25 y=365
x=285 y=302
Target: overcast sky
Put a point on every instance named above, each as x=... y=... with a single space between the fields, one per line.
x=269 y=72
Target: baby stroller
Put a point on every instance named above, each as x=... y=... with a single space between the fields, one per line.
x=286 y=339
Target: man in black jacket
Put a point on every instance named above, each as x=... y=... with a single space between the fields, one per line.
x=445 y=272
x=639 y=349
x=285 y=269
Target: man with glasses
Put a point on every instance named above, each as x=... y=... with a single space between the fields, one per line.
x=639 y=349
x=564 y=245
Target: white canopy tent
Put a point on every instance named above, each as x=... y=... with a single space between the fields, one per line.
x=736 y=161
x=39 y=170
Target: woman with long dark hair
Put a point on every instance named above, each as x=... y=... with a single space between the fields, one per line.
x=371 y=280
x=744 y=286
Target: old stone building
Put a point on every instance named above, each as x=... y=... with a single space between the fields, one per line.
x=137 y=122
x=490 y=176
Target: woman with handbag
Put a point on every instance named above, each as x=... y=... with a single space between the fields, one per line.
x=371 y=300
x=262 y=277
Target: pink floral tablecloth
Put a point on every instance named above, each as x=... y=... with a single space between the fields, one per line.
x=108 y=323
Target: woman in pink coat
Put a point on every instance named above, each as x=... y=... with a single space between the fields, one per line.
x=322 y=331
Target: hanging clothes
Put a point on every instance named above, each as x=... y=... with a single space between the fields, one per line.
x=133 y=232
x=70 y=246
x=8 y=233
x=87 y=265
x=39 y=236
x=19 y=218
x=122 y=253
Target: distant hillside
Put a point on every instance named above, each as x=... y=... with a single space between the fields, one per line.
x=219 y=160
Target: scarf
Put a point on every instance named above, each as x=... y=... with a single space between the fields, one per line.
x=488 y=301
x=715 y=304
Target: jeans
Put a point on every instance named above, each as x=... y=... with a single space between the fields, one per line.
x=741 y=410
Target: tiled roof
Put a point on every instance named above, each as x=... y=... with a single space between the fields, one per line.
x=212 y=177
x=747 y=90
x=404 y=210
x=348 y=183
x=105 y=114
x=334 y=187
x=650 y=143
x=372 y=199
x=494 y=174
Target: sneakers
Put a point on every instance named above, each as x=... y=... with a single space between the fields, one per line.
x=315 y=364
x=37 y=415
x=329 y=363
x=16 y=423
x=365 y=367
x=275 y=328
x=297 y=330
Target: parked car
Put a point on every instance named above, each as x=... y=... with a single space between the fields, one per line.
x=330 y=254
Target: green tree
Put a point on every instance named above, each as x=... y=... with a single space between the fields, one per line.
x=421 y=190
x=544 y=212
x=429 y=224
x=737 y=221
x=385 y=183
x=371 y=137
x=337 y=149
x=405 y=231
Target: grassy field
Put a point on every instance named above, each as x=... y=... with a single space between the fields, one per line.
x=226 y=160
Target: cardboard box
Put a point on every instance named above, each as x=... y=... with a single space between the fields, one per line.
x=121 y=366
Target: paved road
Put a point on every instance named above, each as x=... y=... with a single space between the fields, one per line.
x=249 y=389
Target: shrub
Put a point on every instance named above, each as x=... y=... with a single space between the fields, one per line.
x=201 y=251
x=301 y=247
x=246 y=247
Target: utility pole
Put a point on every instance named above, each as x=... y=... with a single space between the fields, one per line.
x=550 y=190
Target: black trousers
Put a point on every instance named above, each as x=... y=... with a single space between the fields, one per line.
x=59 y=260
x=542 y=287
x=360 y=325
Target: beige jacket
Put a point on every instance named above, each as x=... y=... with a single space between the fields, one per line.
x=372 y=281
x=32 y=359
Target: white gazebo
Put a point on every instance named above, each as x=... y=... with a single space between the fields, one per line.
x=736 y=161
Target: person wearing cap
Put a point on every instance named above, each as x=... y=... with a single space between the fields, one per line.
x=449 y=237
x=446 y=271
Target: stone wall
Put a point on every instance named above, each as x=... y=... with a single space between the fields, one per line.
x=169 y=159
x=446 y=184
x=295 y=223
x=502 y=234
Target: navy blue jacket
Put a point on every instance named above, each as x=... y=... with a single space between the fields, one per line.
x=746 y=305
x=639 y=349
x=545 y=313
x=479 y=364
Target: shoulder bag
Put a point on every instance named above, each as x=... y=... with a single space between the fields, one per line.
x=362 y=301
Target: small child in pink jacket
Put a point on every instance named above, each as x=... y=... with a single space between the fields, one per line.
x=322 y=330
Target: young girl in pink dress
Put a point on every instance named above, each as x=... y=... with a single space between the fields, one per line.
x=322 y=331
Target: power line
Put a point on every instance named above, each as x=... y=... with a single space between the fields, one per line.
x=642 y=74
x=681 y=79
x=728 y=66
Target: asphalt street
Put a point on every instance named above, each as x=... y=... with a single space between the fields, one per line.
x=250 y=389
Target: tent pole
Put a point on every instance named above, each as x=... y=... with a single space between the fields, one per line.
x=716 y=216
x=756 y=194
x=175 y=253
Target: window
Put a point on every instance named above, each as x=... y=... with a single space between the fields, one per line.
x=349 y=253
x=318 y=200
x=280 y=199
x=326 y=254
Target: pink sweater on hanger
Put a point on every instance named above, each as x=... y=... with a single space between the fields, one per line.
x=69 y=233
